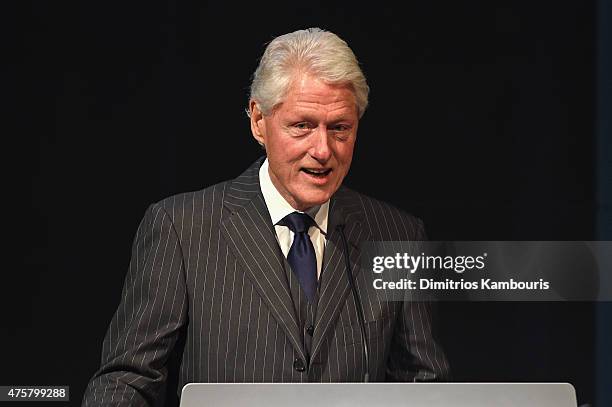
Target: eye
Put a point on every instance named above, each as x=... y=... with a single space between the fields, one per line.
x=341 y=131
x=302 y=126
x=340 y=127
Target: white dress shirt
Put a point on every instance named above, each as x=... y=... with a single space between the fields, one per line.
x=279 y=208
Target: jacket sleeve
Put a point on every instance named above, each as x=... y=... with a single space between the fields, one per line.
x=415 y=355
x=146 y=325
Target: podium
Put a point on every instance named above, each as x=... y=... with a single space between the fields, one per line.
x=378 y=395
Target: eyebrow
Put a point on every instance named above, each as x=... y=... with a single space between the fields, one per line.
x=335 y=118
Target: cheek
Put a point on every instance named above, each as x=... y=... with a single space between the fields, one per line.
x=280 y=152
x=286 y=162
x=344 y=153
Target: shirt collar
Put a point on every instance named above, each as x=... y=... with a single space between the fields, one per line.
x=279 y=207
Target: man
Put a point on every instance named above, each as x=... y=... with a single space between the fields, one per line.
x=246 y=281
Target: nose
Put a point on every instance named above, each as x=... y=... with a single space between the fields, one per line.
x=320 y=149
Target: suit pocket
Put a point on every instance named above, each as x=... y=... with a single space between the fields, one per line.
x=351 y=334
x=379 y=322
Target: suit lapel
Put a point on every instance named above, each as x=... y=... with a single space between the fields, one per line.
x=334 y=287
x=250 y=235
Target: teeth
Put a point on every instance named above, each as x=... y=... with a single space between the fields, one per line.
x=318 y=172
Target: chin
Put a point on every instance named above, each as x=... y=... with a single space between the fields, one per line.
x=314 y=199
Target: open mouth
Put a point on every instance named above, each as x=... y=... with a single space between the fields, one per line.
x=319 y=173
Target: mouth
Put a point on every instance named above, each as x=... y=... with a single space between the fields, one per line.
x=317 y=172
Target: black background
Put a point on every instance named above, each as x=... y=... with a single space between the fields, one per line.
x=481 y=122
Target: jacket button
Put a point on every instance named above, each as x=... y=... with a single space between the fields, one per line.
x=310 y=330
x=299 y=365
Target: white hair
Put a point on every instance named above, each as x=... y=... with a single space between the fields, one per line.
x=317 y=52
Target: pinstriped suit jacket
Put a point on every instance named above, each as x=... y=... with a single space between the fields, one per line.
x=207 y=281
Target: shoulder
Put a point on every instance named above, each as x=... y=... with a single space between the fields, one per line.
x=210 y=200
x=383 y=220
x=194 y=206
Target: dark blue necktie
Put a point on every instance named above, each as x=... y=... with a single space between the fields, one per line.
x=302 y=257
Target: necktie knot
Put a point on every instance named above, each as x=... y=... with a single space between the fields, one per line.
x=297 y=222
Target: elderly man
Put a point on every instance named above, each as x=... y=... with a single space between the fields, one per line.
x=247 y=280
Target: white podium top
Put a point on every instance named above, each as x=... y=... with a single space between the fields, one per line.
x=378 y=395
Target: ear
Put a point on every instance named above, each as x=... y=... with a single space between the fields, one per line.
x=258 y=124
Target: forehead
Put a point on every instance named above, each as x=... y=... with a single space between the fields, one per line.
x=310 y=94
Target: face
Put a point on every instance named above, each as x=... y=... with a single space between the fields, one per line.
x=309 y=139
